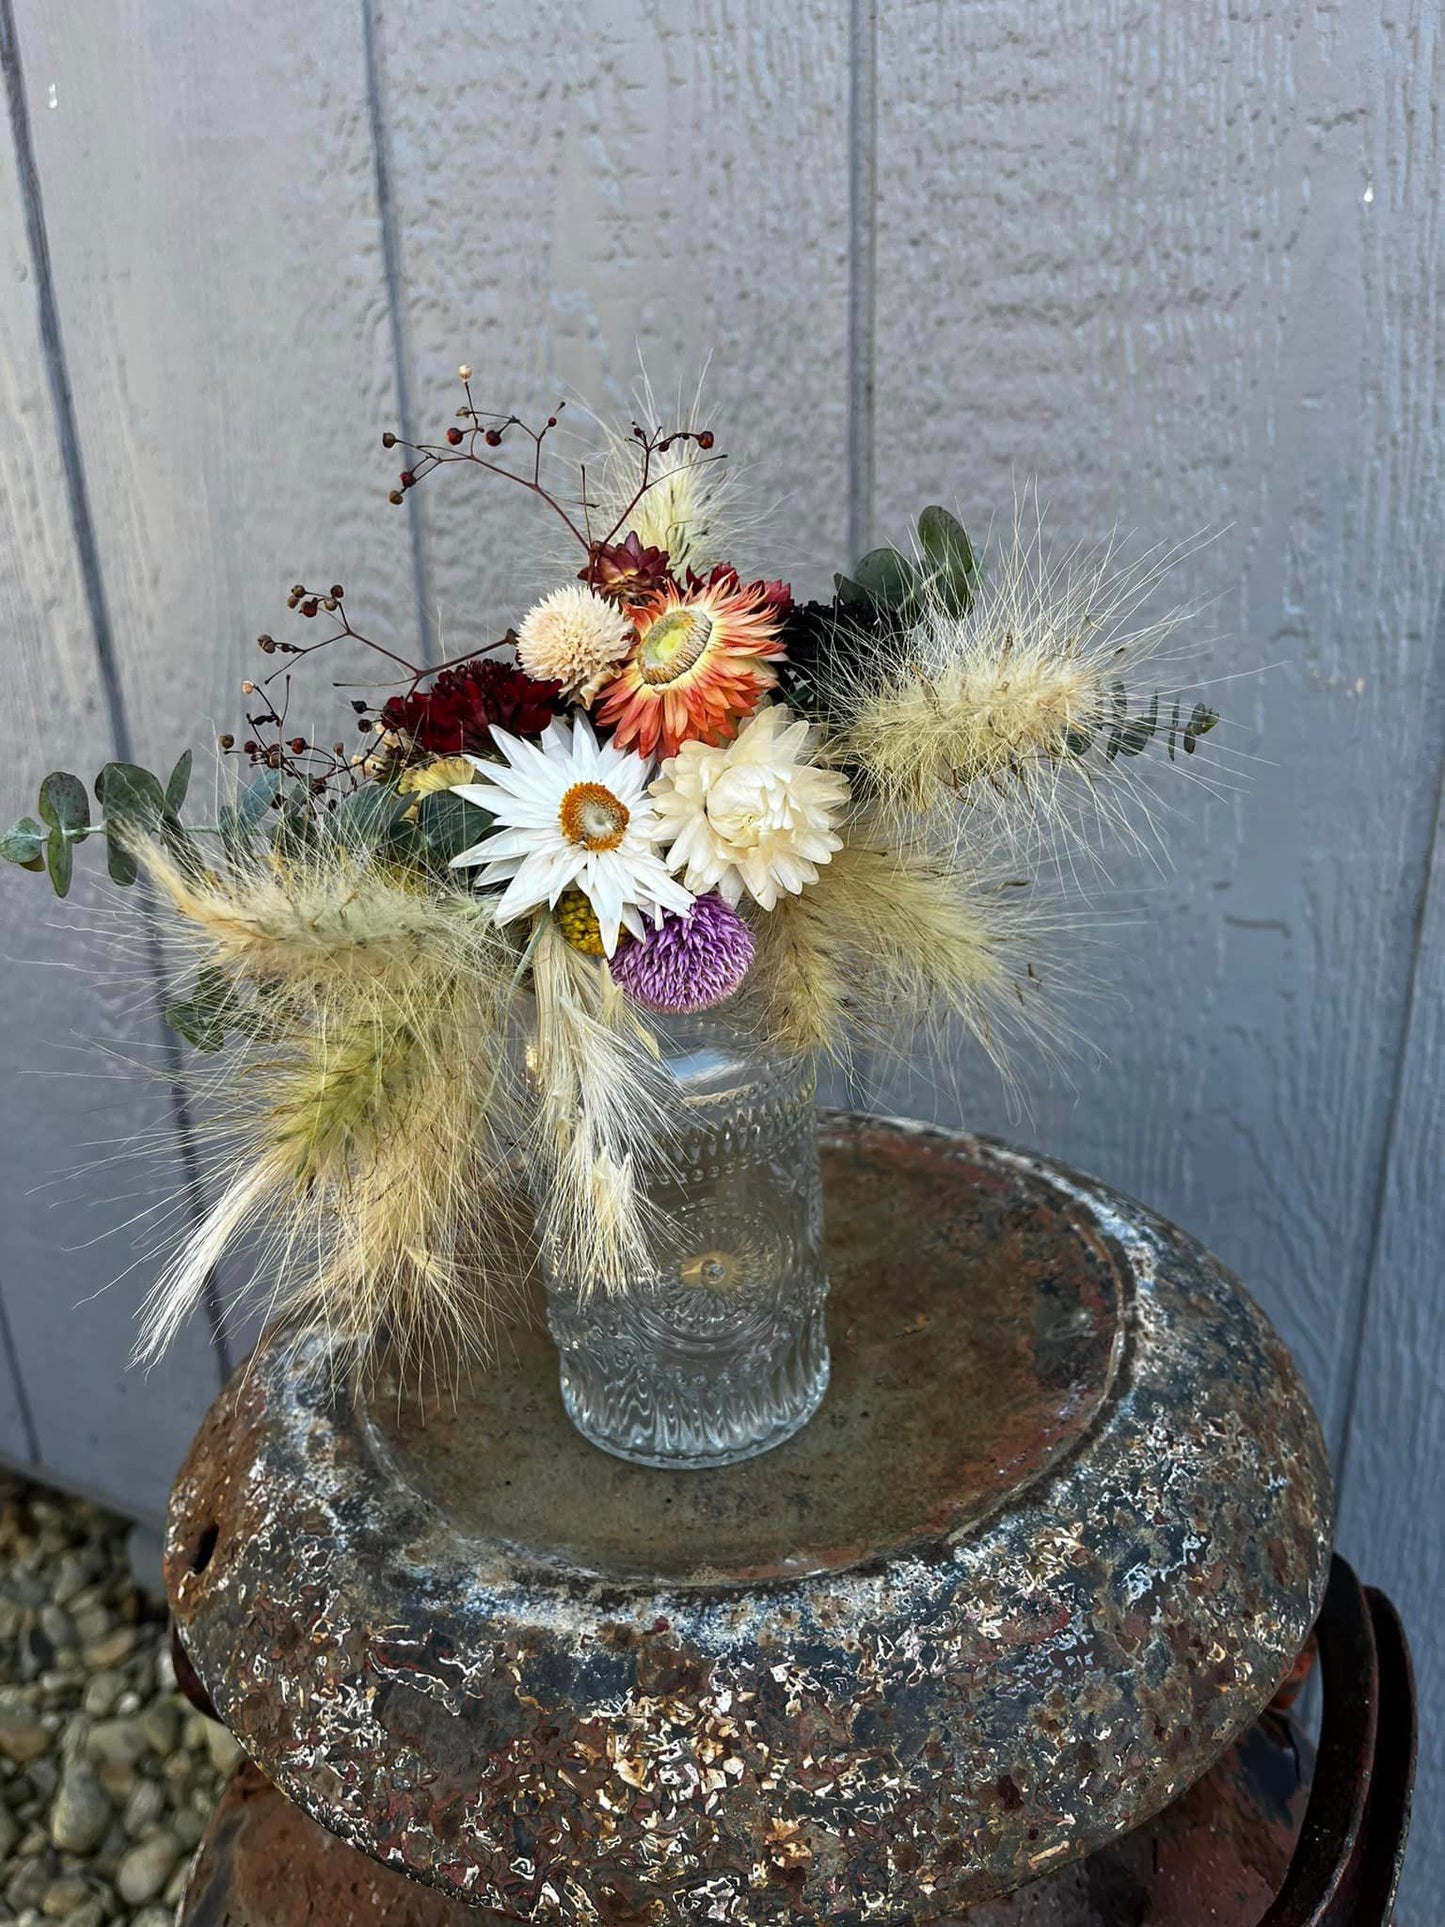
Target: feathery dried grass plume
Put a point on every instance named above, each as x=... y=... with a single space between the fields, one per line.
x=606 y=1108
x=1024 y=696
x=691 y=508
x=368 y=1122
x=892 y=936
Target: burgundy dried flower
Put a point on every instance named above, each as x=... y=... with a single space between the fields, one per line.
x=457 y=712
x=626 y=572
x=691 y=962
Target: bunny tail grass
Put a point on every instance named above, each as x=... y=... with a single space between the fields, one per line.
x=888 y=937
x=605 y=1113
x=1003 y=703
x=367 y=1123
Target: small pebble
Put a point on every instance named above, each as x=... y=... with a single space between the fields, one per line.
x=56 y=1626
x=223 y=1748
x=81 y=1815
x=64 y=1897
x=23 y=1737
x=115 y=1647
x=161 y=1725
x=102 y=1690
x=144 y=1807
x=146 y=1868
x=91 y=1623
x=118 y=1739
x=107 y=1776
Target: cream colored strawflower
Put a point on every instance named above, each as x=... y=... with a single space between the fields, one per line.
x=752 y=814
x=575 y=637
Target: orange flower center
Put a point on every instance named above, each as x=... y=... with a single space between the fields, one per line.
x=593 y=816
x=673 y=644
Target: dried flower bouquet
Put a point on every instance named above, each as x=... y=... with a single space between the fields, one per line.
x=438 y=953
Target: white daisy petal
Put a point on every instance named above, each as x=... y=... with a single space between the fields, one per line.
x=538 y=849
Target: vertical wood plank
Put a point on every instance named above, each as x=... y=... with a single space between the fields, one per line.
x=1182 y=265
x=1392 y=1518
x=659 y=185
x=215 y=245
x=62 y=1107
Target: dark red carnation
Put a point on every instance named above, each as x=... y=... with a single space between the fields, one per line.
x=458 y=711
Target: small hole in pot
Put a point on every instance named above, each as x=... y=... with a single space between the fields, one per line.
x=204 y=1548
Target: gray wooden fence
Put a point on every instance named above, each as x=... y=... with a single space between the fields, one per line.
x=1181 y=263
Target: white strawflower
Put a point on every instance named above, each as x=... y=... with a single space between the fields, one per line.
x=575 y=637
x=572 y=813
x=752 y=814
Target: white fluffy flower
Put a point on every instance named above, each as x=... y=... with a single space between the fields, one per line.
x=572 y=813
x=575 y=637
x=751 y=814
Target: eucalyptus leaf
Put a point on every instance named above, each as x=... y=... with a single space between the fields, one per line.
x=953 y=569
x=128 y=791
x=178 y=782
x=197 y=1025
x=64 y=803
x=370 y=813
x=59 y=860
x=119 y=863
x=888 y=579
x=1201 y=720
x=24 y=844
x=237 y=820
x=450 y=824
x=1135 y=736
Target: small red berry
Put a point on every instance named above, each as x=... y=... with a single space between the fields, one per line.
x=454 y=436
x=250 y=746
x=298 y=745
x=408 y=479
x=310 y=606
x=706 y=438
x=493 y=438
x=337 y=591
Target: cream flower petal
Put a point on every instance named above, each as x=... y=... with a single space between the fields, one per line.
x=749 y=815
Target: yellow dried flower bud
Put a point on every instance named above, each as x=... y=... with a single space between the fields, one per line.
x=578 y=923
x=444 y=774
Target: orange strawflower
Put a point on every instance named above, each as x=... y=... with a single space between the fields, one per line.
x=701 y=663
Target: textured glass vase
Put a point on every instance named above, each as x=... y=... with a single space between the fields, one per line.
x=718 y=1352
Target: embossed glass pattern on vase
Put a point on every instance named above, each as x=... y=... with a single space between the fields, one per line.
x=719 y=1352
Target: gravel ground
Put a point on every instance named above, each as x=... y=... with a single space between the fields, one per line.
x=107 y=1776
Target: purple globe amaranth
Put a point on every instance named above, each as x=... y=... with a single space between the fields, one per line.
x=690 y=962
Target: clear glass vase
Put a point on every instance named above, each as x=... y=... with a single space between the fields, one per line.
x=719 y=1352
